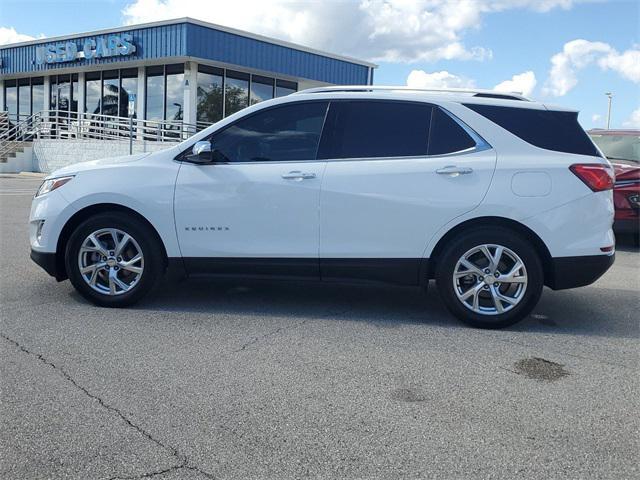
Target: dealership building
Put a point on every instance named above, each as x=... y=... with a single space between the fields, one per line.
x=180 y=70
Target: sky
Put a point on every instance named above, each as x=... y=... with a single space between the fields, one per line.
x=566 y=52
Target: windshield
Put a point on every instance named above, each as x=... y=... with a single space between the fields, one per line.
x=619 y=147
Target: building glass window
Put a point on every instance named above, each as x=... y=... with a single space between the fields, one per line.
x=74 y=94
x=24 y=99
x=37 y=94
x=53 y=93
x=92 y=93
x=210 y=95
x=284 y=87
x=175 y=92
x=236 y=92
x=110 y=92
x=128 y=85
x=64 y=92
x=11 y=99
x=261 y=89
x=154 y=92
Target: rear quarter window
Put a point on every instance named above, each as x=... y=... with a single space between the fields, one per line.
x=446 y=135
x=548 y=129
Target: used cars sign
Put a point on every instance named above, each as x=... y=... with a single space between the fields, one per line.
x=100 y=47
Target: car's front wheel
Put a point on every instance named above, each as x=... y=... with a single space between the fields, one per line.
x=490 y=277
x=113 y=259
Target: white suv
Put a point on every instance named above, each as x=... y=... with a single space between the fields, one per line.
x=491 y=195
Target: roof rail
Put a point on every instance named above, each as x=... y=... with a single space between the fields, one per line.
x=378 y=88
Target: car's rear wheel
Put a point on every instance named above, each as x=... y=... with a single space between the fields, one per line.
x=490 y=277
x=113 y=259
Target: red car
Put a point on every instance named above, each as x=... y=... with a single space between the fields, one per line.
x=622 y=148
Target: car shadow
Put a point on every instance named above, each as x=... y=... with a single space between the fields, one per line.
x=627 y=243
x=588 y=311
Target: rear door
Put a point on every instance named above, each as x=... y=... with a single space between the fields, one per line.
x=396 y=172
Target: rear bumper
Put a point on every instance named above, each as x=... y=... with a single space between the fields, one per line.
x=572 y=272
x=49 y=264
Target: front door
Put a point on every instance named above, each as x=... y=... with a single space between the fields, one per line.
x=255 y=210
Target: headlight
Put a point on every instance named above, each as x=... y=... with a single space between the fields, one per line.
x=51 y=184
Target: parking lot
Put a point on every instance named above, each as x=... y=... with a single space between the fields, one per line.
x=211 y=379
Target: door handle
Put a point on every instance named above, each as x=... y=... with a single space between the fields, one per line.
x=297 y=175
x=454 y=170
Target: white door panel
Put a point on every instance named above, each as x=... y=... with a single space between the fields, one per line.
x=390 y=208
x=248 y=209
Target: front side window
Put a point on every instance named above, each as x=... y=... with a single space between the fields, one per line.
x=376 y=129
x=285 y=133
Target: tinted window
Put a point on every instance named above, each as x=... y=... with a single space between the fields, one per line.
x=446 y=135
x=287 y=133
x=559 y=131
x=369 y=129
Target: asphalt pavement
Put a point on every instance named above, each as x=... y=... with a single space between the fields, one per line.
x=256 y=380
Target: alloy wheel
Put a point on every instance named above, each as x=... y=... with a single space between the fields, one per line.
x=110 y=261
x=490 y=279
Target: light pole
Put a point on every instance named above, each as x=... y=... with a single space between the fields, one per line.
x=610 y=95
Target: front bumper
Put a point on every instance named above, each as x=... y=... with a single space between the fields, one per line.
x=49 y=262
x=572 y=272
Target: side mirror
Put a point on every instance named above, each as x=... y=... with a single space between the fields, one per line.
x=200 y=153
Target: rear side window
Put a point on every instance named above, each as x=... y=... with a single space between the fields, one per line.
x=287 y=133
x=558 y=131
x=446 y=135
x=370 y=129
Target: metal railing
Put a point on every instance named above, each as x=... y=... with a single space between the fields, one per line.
x=57 y=124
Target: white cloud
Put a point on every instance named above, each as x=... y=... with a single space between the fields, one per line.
x=595 y=117
x=522 y=83
x=379 y=30
x=634 y=120
x=9 y=35
x=626 y=64
x=579 y=54
x=443 y=79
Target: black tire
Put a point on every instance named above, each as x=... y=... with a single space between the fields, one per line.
x=505 y=237
x=146 y=239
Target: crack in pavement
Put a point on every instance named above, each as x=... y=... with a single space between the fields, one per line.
x=183 y=461
x=257 y=339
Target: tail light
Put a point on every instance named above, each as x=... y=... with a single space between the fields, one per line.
x=596 y=176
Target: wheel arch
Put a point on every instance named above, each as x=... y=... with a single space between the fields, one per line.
x=87 y=212
x=526 y=232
